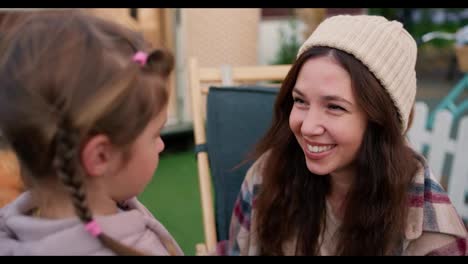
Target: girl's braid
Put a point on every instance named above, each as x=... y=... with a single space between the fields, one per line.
x=65 y=163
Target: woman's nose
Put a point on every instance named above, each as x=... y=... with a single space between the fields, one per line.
x=313 y=124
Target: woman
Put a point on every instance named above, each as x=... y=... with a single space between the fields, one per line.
x=334 y=174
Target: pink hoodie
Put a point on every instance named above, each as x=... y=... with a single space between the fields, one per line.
x=21 y=234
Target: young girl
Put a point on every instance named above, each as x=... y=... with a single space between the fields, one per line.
x=334 y=174
x=82 y=105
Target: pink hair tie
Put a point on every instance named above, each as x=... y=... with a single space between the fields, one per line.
x=93 y=228
x=140 y=58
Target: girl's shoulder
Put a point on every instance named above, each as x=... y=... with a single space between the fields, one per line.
x=147 y=232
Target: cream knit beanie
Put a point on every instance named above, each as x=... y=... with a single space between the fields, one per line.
x=385 y=47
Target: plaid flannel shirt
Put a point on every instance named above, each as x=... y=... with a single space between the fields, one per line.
x=433 y=227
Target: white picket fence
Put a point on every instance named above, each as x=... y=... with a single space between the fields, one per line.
x=440 y=144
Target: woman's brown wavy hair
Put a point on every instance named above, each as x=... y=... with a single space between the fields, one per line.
x=292 y=200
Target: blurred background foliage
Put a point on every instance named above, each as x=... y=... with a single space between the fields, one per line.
x=419 y=21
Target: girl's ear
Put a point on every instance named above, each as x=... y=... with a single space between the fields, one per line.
x=97 y=155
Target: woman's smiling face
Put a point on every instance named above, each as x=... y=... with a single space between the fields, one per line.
x=325 y=118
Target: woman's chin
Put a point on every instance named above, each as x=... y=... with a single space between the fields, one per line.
x=313 y=168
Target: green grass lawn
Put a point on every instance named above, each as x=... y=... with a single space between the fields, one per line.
x=173 y=198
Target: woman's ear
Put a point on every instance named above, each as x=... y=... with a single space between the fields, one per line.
x=97 y=155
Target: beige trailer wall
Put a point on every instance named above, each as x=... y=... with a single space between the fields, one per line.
x=216 y=36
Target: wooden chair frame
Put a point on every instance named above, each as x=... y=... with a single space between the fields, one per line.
x=224 y=76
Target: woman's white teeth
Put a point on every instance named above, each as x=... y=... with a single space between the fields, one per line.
x=318 y=149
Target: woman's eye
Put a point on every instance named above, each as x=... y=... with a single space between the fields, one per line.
x=298 y=100
x=336 y=107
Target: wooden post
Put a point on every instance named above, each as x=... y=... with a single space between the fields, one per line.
x=202 y=159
